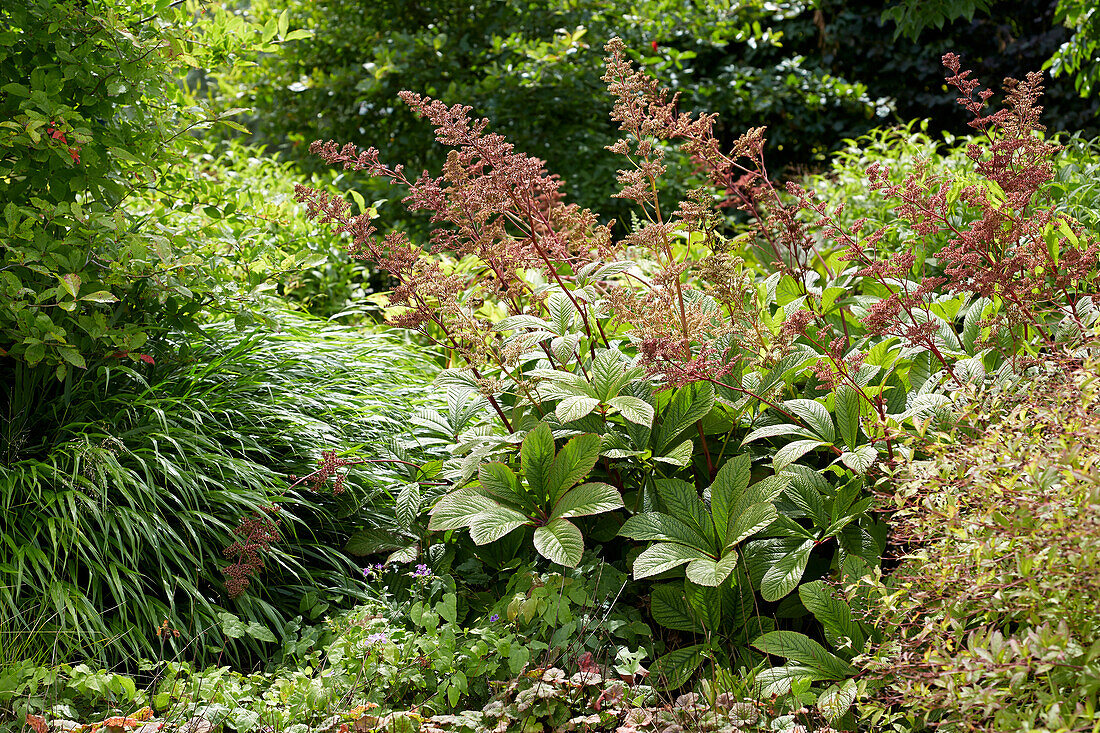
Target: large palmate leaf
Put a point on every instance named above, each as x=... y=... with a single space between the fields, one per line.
x=803 y=650
x=669 y=607
x=458 y=509
x=573 y=463
x=782 y=577
x=688 y=405
x=710 y=572
x=560 y=541
x=537 y=455
x=674 y=669
x=646 y=526
x=495 y=522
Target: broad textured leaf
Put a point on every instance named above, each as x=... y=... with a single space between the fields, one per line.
x=707 y=604
x=837 y=700
x=782 y=577
x=515 y=323
x=574 y=408
x=803 y=650
x=562 y=314
x=972 y=324
x=371 y=541
x=573 y=463
x=500 y=481
x=848 y=408
x=458 y=509
x=861 y=459
x=404 y=555
x=772 y=431
x=690 y=404
x=537 y=454
x=805 y=495
x=607 y=368
x=664 y=556
x=778 y=680
x=669 y=607
x=678 y=456
x=676 y=668
x=754 y=519
x=647 y=526
x=727 y=488
x=815 y=415
x=791 y=452
x=407 y=505
x=588 y=499
x=682 y=502
x=709 y=572
x=633 y=409
x=560 y=541
x=833 y=614
x=492 y=524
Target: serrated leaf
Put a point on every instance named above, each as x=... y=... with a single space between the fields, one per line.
x=664 y=556
x=493 y=523
x=371 y=541
x=781 y=578
x=458 y=509
x=500 y=481
x=815 y=415
x=656 y=526
x=669 y=608
x=774 y=431
x=575 y=407
x=537 y=455
x=835 y=702
x=560 y=541
x=588 y=499
x=634 y=409
x=711 y=573
x=778 y=680
x=848 y=408
x=676 y=668
x=729 y=484
x=754 y=519
x=403 y=555
x=833 y=614
x=678 y=456
x=407 y=505
x=688 y=405
x=575 y=461
x=803 y=650
x=791 y=452
x=861 y=459
x=681 y=501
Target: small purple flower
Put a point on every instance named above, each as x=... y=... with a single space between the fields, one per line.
x=494 y=618
x=378 y=638
x=421 y=571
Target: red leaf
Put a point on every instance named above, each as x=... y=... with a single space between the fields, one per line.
x=37 y=723
x=146 y=358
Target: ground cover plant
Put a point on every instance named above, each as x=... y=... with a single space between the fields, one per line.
x=747 y=459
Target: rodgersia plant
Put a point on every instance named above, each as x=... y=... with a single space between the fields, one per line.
x=802 y=343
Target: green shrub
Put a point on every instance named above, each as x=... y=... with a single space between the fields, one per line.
x=992 y=621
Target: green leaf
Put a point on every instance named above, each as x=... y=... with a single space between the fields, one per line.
x=500 y=481
x=370 y=541
x=709 y=572
x=678 y=456
x=688 y=405
x=815 y=415
x=833 y=614
x=677 y=667
x=847 y=404
x=835 y=702
x=791 y=452
x=729 y=483
x=778 y=680
x=805 y=495
x=635 y=410
x=781 y=578
x=100 y=296
x=574 y=408
x=803 y=650
x=573 y=463
x=73 y=357
x=493 y=523
x=647 y=526
x=861 y=459
x=71 y=283
x=669 y=608
x=537 y=455
x=560 y=541
x=588 y=499
x=259 y=632
x=773 y=431
x=458 y=509
x=607 y=369
x=682 y=502
x=664 y=556
x=407 y=506
x=754 y=519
